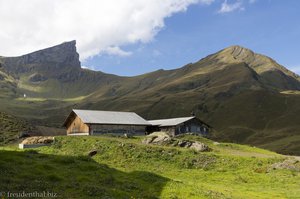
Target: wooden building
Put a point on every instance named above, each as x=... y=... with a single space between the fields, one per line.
x=175 y=126
x=87 y=122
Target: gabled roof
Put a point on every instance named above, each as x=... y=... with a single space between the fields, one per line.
x=108 y=117
x=170 y=122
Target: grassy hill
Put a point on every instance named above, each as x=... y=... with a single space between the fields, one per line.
x=126 y=168
x=11 y=127
x=246 y=97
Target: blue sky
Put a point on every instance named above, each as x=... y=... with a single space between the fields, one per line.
x=270 y=27
x=131 y=37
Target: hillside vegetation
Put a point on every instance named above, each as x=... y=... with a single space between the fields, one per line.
x=126 y=168
x=11 y=127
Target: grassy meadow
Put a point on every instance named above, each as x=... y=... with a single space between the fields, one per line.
x=10 y=128
x=126 y=168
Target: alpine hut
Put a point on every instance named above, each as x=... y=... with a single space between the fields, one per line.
x=90 y=122
x=175 y=126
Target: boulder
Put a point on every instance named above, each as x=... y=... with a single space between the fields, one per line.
x=198 y=146
x=290 y=164
x=148 y=140
x=185 y=143
x=38 y=140
x=161 y=138
x=157 y=138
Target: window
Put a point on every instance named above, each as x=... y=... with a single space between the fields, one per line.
x=98 y=132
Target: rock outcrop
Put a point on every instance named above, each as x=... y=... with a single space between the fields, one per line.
x=51 y=61
x=64 y=54
x=38 y=140
x=161 y=138
x=290 y=164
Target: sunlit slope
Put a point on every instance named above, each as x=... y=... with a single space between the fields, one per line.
x=126 y=168
x=11 y=127
x=246 y=97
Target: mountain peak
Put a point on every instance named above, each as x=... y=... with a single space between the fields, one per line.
x=64 y=53
x=261 y=64
x=236 y=47
x=239 y=53
x=70 y=45
x=57 y=58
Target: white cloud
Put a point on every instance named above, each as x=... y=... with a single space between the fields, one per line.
x=230 y=7
x=252 y=1
x=115 y=50
x=99 y=26
x=89 y=67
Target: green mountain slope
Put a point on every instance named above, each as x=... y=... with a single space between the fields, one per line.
x=126 y=168
x=247 y=97
x=11 y=127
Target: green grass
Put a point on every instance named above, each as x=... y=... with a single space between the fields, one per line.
x=10 y=128
x=73 y=177
x=125 y=168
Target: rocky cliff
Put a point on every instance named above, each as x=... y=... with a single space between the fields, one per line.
x=51 y=61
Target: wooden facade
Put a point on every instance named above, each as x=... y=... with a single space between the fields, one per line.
x=77 y=126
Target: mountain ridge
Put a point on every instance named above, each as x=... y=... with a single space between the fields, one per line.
x=234 y=83
x=52 y=58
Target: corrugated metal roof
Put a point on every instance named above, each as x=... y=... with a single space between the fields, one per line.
x=170 y=122
x=110 y=117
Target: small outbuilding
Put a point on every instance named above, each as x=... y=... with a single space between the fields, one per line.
x=90 y=122
x=175 y=126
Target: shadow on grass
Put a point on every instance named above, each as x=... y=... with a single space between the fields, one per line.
x=73 y=177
